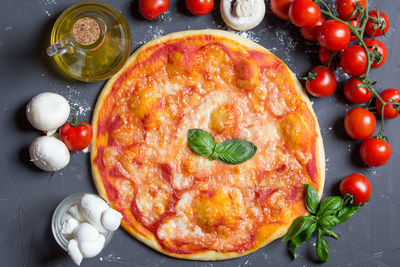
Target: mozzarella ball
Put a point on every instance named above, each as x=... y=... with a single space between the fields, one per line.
x=86 y=232
x=69 y=226
x=74 y=252
x=49 y=153
x=75 y=212
x=47 y=111
x=91 y=249
x=111 y=219
x=92 y=209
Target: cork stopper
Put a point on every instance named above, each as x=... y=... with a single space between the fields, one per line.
x=86 y=31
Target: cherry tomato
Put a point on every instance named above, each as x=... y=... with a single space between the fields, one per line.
x=375 y=28
x=304 y=13
x=359 y=123
x=199 y=7
x=324 y=56
x=346 y=7
x=390 y=95
x=281 y=8
x=380 y=48
x=358 y=186
x=76 y=135
x=333 y=35
x=375 y=152
x=353 y=60
x=323 y=84
x=354 y=23
x=151 y=9
x=356 y=95
x=310 y=32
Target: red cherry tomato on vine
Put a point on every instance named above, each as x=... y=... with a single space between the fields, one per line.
x=199 y=7
x=304 y=13
x=380 y=48
x=354 y=23
x=353 y=60
x=323 y=83
x=324 y=56
x=375 y=152
x=281 y=8
x=354 y=93
x=151 y=9
x=359 y=123
x=333 y=35
x=358 y=186
x=390 y=95
x=76 y=135
x=310 y=32
x=378 y=27
x=346 y=7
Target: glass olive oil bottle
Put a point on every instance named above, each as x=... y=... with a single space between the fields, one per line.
x=90 y=41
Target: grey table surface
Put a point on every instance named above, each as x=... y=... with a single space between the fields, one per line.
x=29 y=196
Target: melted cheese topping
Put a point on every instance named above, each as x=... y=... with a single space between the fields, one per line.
x=189 y=203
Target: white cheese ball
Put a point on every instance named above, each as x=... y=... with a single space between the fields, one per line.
x=49 y=153
x=86 y=232
x=48 y=111
x=91 y=249
x=69 y=226
x=92 y=209
x=111 y=219
x=74 y=252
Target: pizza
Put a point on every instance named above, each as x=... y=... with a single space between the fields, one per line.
x=180 y=203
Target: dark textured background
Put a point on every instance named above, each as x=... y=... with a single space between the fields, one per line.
x=29 y=196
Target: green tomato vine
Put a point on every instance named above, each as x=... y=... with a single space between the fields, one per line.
x=358 y=31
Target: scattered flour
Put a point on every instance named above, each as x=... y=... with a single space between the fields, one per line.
x=79 y=108
x=151 y=33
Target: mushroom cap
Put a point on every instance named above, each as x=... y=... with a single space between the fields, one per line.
x=49 y=153
x=242 y=15
x=47 y=111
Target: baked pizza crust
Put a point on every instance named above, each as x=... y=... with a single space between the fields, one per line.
x=149 y=239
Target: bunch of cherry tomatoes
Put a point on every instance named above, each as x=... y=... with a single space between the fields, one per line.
x=334 y=36
x=356 y=59
x=151 y=9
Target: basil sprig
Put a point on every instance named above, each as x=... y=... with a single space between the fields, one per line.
x=232 y=151
x=331 y=211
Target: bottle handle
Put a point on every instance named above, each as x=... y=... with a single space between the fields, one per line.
x=61 y=47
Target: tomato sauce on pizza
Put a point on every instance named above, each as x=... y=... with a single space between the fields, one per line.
x=176 y=201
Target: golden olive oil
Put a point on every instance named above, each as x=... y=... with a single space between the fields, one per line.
x=88 y=61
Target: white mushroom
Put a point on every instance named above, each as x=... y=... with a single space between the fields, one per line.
x=242 y=15
x=47 y=112
x=49 y=153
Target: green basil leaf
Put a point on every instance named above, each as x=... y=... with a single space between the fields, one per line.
x=312 y=198
x=347 y=212
x=235 y=151
x=329 y=221
x=322 y=247
x=301 y=237
x=330 y=206
x=298 y=226
x=201 y=142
